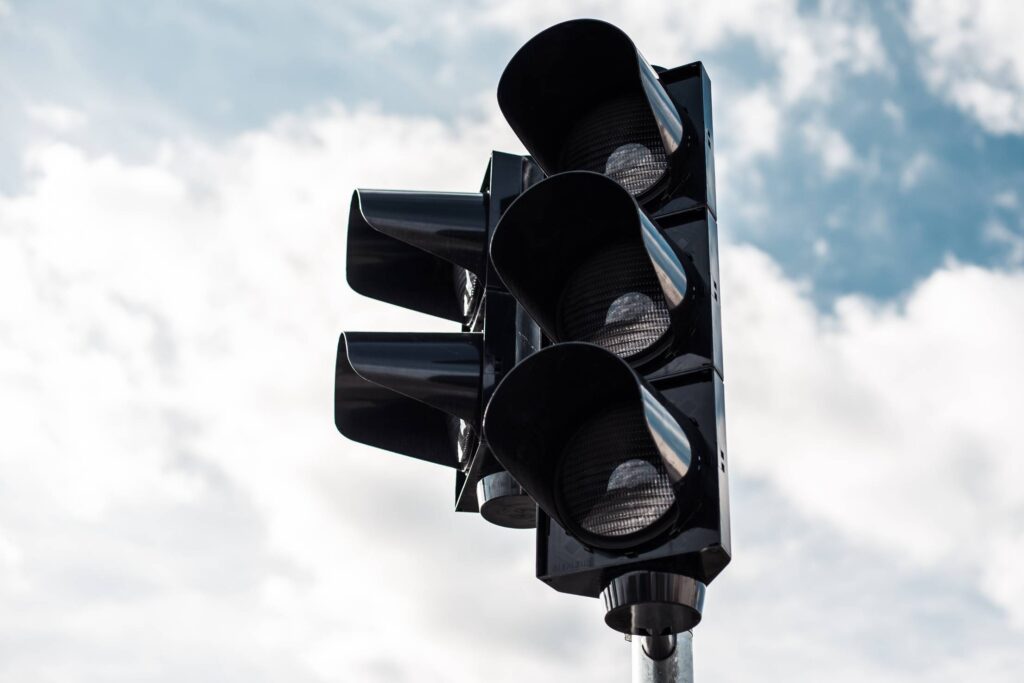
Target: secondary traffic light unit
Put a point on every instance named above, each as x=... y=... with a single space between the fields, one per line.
x=587 y=378
x=422 y=394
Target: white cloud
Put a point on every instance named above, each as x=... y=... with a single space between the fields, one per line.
x=896 y=422
x=1006 y=199
x=894 y=113
x=749 y=128
x=168 y=333
x=821 y=248
x=971 y=57
x=997 y=232
x=914 y=169
x=809 y=48
x=752 y=126
x=57 y=118
x=184 y=508
x=832 y=148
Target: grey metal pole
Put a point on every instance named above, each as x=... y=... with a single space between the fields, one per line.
x=663 y=659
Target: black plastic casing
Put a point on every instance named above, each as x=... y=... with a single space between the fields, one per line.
x=701 y=550
x=689 y=375
x=509 y=335
x=693 y=182
x=405 y=392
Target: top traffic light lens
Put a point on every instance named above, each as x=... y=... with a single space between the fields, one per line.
x=620 y=140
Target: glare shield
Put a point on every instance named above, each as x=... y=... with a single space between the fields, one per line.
x=588 y=265
x=581 y=97
x=594 y=446
x=419 y=250
x=405 y=392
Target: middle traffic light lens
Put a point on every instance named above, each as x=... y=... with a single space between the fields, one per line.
x=619 y=139
x=613 y=482
x=614 y=300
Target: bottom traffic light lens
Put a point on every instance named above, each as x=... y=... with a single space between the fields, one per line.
x=614 y=300
x=612 y=481
x=619 y=139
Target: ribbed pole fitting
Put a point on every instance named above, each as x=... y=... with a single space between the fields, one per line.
x=653 y=603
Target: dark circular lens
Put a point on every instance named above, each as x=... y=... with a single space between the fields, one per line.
x=614 y=300
x=619 y=139
x=612 y=480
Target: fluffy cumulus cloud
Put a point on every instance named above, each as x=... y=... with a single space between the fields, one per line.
x=834 y=151
x=177 y=504
x=183 y=507
x=971 y=57
x=895 y=422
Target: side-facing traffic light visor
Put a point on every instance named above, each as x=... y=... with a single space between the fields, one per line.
x=581 y=97
x=587 y=264
x=418 y=250
x=404 y=392
x=594 y=445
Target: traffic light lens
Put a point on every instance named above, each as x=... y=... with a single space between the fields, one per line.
x=613 y=482
x=634 y=167
x=614 y=300
x=619 y=139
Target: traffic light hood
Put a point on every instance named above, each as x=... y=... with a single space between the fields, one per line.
x=580 y=96
x=406 y=248
x=403 y=392
x=594 y=445
x=587 y=264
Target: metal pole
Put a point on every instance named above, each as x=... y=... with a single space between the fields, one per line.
x=663 y=659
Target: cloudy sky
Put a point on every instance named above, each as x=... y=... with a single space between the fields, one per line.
x=175 y=503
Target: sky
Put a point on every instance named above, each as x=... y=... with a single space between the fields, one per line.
x=175 y=502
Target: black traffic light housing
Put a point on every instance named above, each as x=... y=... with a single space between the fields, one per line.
x=588 y=264
x=422 y=394
x=418 y=249
x=406 y=392
x=617 y=429
x=580 y=96
x=613 y=420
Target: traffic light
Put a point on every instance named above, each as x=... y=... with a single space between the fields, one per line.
x=616 y=428
x=584 y=389
x=422 y=394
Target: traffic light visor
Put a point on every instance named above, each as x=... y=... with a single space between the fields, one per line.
x=581 y=97
x=419 y=250
x=593 y=445
x=407 y=392
x=588 y=265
